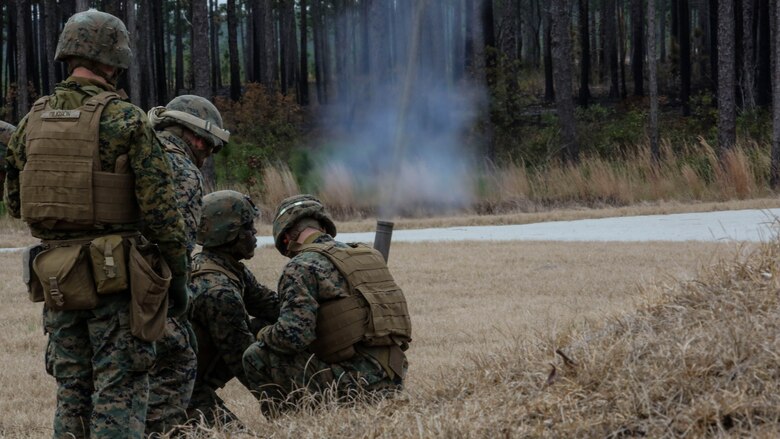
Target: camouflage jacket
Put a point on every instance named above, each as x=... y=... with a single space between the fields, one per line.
x=6 y=129
x=307 y=280
x=188 y=183
x=124 y=129
x=222 y=307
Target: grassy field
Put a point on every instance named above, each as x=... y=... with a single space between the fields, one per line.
x=478 y=309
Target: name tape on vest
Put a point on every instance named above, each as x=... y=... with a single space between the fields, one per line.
x=61 y=114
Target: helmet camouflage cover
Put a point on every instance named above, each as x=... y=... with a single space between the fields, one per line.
x=295 y=208
x=197 y=114
x=96 y=36
x=224 y=214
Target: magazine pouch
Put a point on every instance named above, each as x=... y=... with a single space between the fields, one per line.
x=107 y=254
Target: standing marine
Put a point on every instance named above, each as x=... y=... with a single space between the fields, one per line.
x=189 y=130
x=343 y=322
x=229 y=305
x=6 y=129
x=86 y=175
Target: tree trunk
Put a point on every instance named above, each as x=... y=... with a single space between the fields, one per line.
x=637 y=46
x=726 y=105
x=158 y=47
x=764 y=59
x=661 y=6
x=584 y=95
x=235 y=69
x=270 y=73
x=652 y=65
x=549 y=87
x=468 y=48
x=2 y=67
x=621 y=34
x=561 y=54
x=610 y=47
x=458 y=47
x=748 y=60
x=200 y=59
x=775 y=165
x=179 y=83
x=81 y=5
x=683 y=15
x=134 y=71
x=319 y=63
x=22 y=78
x=714 y=43
x=216 y=57
x=51 y=38
x=303 y=80
x=489 y=42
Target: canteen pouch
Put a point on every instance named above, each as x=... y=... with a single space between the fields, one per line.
x=108 y=264
x=34 y=287
x=150 y=277
x=64 y=274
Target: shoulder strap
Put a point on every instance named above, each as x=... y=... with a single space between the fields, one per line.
x=212 y=267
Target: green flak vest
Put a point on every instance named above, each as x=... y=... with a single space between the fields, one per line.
x=62 y=184
x=374 y=313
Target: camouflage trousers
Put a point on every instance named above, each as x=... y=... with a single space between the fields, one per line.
x=205 y=404
x=171 y=378
x=274 y=377
x=101 y=371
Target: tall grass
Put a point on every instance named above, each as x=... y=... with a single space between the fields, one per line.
x=683 y=173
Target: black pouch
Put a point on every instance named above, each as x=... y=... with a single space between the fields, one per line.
x=34 y=287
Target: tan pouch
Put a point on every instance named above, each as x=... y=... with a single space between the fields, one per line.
x=150 y=277
x=108 y=264
x=34 y=287
x=64 y=273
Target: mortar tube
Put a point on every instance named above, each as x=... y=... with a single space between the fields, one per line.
x=384 y=232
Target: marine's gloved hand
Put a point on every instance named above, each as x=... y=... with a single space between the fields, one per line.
x=178 y=296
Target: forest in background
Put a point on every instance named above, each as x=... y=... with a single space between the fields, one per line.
x=486 y=103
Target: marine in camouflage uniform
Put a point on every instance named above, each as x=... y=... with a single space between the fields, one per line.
x=187 y=144
x=6 y=129
x=282 y=360
x=228 y=304
x=100 y=367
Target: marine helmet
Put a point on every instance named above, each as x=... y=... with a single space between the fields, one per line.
x=295 y=208
x=224 y=214
x=197 y=114
x=96 y=36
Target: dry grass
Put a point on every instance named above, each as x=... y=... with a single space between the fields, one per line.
x=485 y=318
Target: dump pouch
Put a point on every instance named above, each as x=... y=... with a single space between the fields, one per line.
x=150 y=277
x=109 y=266
x=34 y=287
x=65 y=275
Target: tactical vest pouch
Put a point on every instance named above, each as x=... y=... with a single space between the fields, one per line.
x=66 y=278
x=107 y=254
x=34 y=287
x=340 y=324
x=150 y=277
